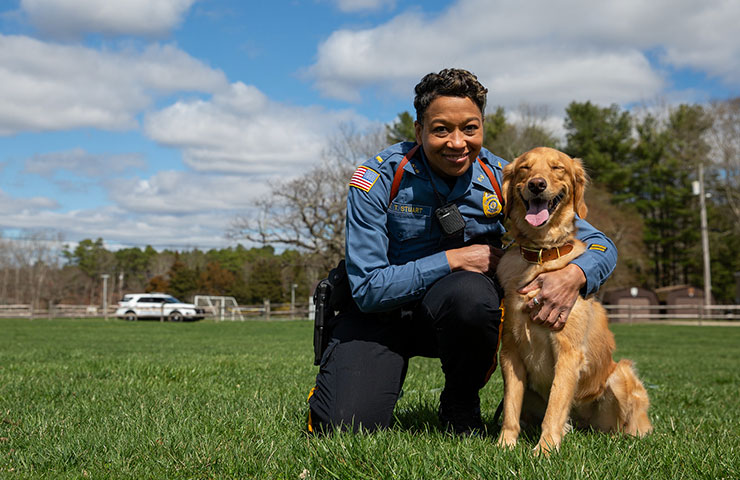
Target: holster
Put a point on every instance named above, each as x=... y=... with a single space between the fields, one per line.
x=332 y=295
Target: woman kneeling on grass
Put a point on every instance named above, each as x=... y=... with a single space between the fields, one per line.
x=423 y=240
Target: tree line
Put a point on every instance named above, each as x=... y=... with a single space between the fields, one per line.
x=642 y=164
x=65 y=275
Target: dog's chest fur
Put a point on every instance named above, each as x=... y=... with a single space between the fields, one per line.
x=536 y=344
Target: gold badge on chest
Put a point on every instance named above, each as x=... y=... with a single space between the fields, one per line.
x=491 y=204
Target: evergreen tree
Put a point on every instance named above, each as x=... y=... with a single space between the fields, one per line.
x=133 y=263
x=93 y=260
x=664 y=163
x=183 y=281
x=686 y=148
x=402 y=129
x=602 y=137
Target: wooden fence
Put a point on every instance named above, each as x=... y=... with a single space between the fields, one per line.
x=643 y=313
x=274 y=311
x=283 y=311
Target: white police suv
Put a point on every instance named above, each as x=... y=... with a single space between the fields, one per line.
x=134 y=306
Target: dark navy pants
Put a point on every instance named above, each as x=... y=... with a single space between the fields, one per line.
x=364 y=366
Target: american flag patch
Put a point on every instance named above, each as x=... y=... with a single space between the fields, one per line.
x=363 y=178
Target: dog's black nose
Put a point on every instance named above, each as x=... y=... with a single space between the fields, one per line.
x=537 y=185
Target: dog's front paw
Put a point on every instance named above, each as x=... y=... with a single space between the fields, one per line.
x=546 y=446
x=507 y=439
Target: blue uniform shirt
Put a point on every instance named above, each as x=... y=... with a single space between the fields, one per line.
x=394 y=251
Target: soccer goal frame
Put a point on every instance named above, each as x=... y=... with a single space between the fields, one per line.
x=222 y=308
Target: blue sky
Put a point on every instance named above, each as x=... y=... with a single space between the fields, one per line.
x=158 y=121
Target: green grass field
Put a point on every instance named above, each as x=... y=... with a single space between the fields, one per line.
x=95 y=399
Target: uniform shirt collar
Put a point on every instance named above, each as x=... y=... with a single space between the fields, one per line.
x=422 y=169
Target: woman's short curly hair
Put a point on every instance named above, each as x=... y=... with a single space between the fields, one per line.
x=450 y=82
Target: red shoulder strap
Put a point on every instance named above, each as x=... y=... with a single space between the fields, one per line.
x=399 y=173
x=492 y=178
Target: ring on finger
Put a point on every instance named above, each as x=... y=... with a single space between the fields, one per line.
x=536 y=301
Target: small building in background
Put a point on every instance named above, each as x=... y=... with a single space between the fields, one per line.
x=682 y=300
x=631 y=302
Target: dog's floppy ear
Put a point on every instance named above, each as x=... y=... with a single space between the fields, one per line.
x=507 y=187
x=580 y=180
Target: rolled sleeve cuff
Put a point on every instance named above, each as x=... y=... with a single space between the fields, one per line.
x=595 y=273
x=433 y=268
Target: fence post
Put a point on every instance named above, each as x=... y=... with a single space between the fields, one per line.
x=267 y=308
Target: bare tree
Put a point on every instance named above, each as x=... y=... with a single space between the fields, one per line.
x=33 y=258
x=308 y=212
x=724 y=138
x=160 y=264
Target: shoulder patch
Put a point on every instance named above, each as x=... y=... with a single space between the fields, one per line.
x=364 y=178
x=596 y=246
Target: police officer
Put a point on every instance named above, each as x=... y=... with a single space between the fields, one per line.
x=423 y=239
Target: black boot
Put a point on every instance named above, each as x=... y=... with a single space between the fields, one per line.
x=460 y=413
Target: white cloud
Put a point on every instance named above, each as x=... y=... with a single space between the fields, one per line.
x=81 y=162
x=172 y=192
x=11 y=206
x=241 y=130
x=350 y=6
x=537 y=51
x=171 y=209
x=55 y=87
x=114 y=224
x=72 y=18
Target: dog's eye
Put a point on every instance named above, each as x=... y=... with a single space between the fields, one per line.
x=524 y=167
x=556 y=167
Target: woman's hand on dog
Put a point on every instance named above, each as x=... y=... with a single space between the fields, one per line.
x=559 y=291
x=479 y=258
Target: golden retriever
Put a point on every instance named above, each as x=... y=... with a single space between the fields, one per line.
x=566 y=373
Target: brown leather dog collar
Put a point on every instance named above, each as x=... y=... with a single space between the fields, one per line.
x=542 y=255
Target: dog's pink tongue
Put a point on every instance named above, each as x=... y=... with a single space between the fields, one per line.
x=537 y=213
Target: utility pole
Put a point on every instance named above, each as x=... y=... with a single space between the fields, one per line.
x=704 y=236
x=292 y=300
x=105 y=277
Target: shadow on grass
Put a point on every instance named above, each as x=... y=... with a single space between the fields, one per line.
x=423 y=418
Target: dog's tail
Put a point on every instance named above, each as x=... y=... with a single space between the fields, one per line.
x=632 y=399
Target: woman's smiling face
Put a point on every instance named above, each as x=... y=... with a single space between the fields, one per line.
x=451 y=135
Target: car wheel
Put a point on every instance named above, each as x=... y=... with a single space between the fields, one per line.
x=175 y=317
x=130 y=317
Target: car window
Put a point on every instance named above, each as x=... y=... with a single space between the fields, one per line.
x=171 y=300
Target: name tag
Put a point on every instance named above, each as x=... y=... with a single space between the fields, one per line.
x=410 y=210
